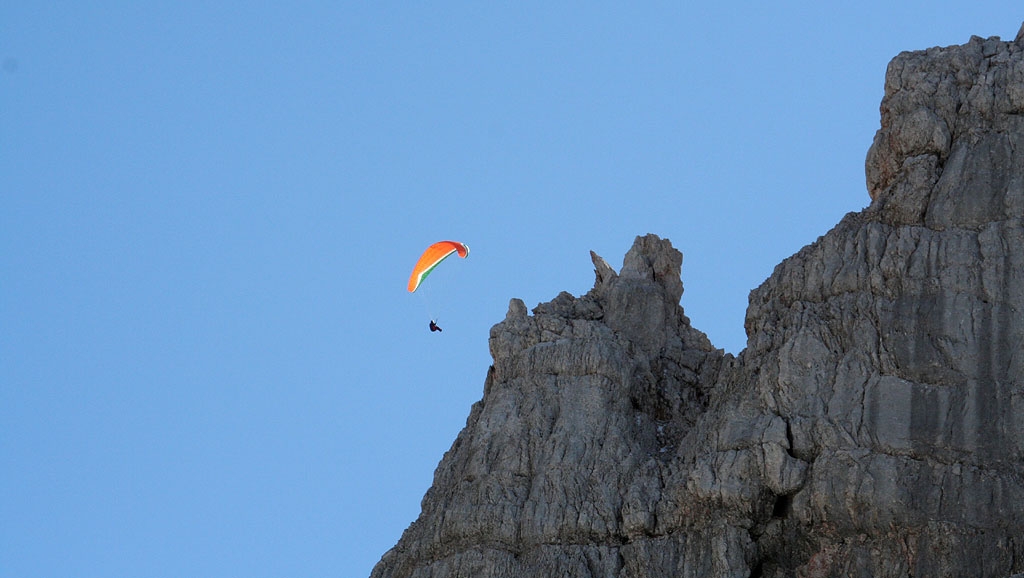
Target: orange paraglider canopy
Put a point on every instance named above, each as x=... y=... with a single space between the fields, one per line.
x=432 y=257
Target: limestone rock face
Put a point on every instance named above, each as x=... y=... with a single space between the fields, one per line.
x=557 y=471
x=873 y=426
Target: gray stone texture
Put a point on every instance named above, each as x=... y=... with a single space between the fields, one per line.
x=873 y=426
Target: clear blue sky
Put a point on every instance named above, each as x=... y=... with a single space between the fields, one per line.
x=209 y=364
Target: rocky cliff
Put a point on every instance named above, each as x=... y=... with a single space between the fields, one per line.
x=873 y=426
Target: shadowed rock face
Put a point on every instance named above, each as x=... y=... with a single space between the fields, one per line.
x=873 y=426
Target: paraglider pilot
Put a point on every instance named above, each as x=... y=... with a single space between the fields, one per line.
x=434 y=327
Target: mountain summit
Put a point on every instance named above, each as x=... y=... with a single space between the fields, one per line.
x=873 y=426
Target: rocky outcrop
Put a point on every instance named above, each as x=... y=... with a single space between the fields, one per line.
x=873 y=426
x=557 y=471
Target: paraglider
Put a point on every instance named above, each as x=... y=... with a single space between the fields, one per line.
x=429 y=260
